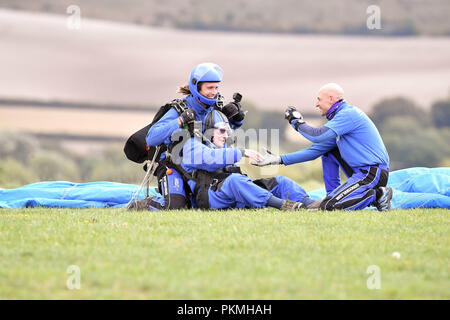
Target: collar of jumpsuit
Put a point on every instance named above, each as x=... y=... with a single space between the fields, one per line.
x=194 y=104
x=332 y=111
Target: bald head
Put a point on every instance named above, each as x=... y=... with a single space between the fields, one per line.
x=332 y=90
x=327 y=96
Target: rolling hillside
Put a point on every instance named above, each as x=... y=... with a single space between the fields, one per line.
x=114 y=63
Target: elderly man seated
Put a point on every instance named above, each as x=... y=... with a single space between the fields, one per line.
x=217 y=183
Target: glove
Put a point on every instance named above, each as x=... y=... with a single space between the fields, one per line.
x=291 y=114
x=233 y=111
x=252 y=154
x=268 y=159
x=187 y=117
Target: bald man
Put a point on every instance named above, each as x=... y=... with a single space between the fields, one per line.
x=350 y=141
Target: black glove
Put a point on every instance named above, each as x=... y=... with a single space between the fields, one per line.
x=233 y=111
x=187 y=117
x=239 y=117
x=292 y=114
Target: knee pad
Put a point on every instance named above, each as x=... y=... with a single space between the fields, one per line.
x=174 y=202
x=267 y=183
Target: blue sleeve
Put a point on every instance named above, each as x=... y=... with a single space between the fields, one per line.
x=314 y=134
x=311 y=153
x=161 y=131
x=342 y=123
x=196 y=155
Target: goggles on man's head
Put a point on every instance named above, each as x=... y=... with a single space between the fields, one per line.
x=223 y=127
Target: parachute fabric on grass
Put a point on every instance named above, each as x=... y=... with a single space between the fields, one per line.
x=100 y=194
x=413 y=188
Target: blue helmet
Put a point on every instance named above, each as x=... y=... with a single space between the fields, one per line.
x=204 y=72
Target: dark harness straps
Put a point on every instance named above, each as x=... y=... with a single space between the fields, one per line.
x=344 y=165
x=205 y=180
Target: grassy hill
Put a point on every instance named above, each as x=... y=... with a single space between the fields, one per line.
x=418 y=17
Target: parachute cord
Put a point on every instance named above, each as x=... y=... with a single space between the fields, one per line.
x=147 y=179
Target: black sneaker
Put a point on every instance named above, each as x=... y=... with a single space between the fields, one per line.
x=292 y=205
x=140 y=204
x=384 y=203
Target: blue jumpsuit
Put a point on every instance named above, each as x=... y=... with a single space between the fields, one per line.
x=237 y=190
x=360 y=149
x=331 y=162
x=172 y=186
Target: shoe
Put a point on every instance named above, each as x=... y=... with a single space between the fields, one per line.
x=140 y=204
x=292 y=205
x=314 y=205
x=384 y=202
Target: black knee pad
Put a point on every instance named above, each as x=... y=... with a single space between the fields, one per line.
x=174 y=202
x=266 y=183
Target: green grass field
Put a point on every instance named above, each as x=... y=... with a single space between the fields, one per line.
x=254 y=254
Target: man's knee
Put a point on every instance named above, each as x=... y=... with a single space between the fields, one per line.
x=267 y=183
x=327 y=204
x=236 y=180
x=356 y=203
x=284 y=180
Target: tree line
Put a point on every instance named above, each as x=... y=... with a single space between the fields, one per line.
x=413 y=136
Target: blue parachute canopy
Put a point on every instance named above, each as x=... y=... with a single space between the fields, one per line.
x=413 y=188
x=100 y=194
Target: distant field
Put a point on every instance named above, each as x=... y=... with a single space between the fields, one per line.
x=72 y=121
x=252 y=254
x=107 y=62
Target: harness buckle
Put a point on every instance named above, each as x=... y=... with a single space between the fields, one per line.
x=214 y=182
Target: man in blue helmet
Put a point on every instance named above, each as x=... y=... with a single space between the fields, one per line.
x=216 y=181
x=350 y=141
x=202 y=96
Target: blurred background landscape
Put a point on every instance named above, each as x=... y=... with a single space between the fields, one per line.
x=69 y=99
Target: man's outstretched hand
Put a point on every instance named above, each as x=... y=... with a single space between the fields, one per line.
x=252 y=154
x=268 y=159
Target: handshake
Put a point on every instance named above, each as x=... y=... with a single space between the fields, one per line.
x=266 y=159
x=261 y=160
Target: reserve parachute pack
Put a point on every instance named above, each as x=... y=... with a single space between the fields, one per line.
x=136 y=148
